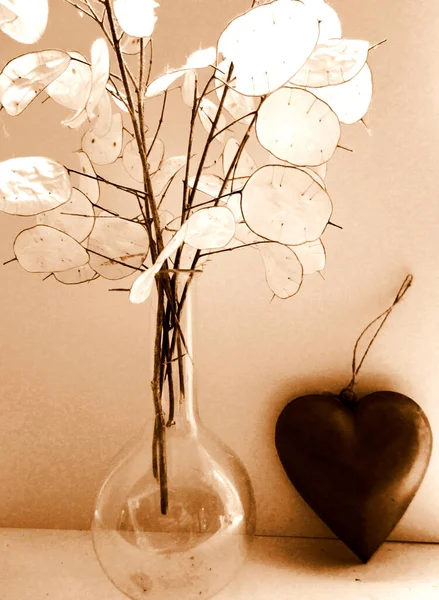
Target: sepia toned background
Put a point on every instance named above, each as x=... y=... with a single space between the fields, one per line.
x=72 y=384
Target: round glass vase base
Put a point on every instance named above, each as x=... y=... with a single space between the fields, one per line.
x=199 y=571
x=196 y=548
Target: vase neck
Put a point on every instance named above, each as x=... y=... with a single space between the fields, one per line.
x=178 y=388
x=186 y=408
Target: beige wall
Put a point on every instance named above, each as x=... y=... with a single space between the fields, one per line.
x=71 y=358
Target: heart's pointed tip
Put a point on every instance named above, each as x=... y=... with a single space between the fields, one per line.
x=362 y=554
x=364 y=558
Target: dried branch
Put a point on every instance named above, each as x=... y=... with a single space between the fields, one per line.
x=160 y=122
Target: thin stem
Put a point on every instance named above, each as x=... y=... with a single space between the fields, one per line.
x=111 y=215
x=165 y=191
x=85 y=62
x=140 y=91
x=148 y=77
x=113 y=91
x=96 y=177
x=115 y=260
x=139 y=135
x=210 y=253
x=170 y=380
x=239 y=151
x=220 y=131
x=81 y=9
x=377 y=44
x=185 y=199
x=229 y=172
x=160 y=432
x=210 y=137
x=160 y=122
x=131 y=76
x=180 y=355
x=155 y=450
x=188 y=153
x=335 y=225
x=10 y=261
x=344 y=148
x=202 y=204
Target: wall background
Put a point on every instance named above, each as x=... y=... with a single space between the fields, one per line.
x=71 y=391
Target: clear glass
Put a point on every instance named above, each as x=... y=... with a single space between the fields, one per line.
x=197 y=547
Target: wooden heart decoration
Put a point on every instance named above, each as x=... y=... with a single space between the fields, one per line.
x=357 y=463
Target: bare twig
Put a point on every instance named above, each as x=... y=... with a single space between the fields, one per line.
x=210 y=137
x=7 y=262
x=82 y=9
x=100 y=179
x=220 y=131
x=159 y=125
x=115 y=260
x=148 y=77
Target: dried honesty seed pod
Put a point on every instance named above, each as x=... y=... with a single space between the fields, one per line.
x=43 y=249
x=162 y=83
x=283 y=270
x=72 y=88
x=104 y=116
x=285 y=204
x=188 y=89
x=106 y=149
x=28 y=20
x=33 y=184
x=117 y=246
x=268 y=45
x=312 y=256
x=350 y=101
x=201 y=58
x=136 y=17
x=100 y=69
x=296 y=126
x=332 y=63
x=25 y=77
x=210 y=228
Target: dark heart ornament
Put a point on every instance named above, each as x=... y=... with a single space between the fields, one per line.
x=357 y=463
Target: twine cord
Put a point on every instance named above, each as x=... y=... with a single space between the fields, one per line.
x=347 y=393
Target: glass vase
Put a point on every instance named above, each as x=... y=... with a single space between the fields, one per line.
x=175 y=517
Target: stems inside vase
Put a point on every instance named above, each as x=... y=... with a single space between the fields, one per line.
x=172 y=366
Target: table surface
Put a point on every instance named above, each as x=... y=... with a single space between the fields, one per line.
x=61 y=565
